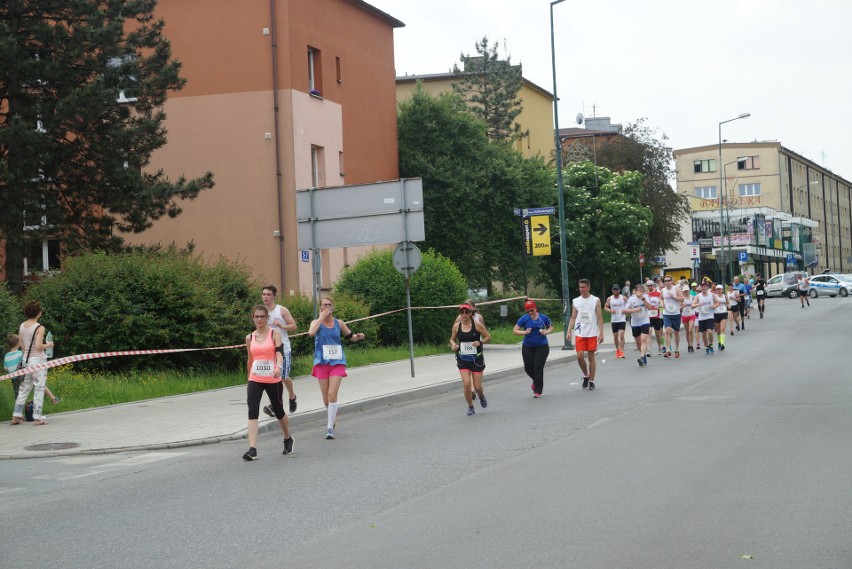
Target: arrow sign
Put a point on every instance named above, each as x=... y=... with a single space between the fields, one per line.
x=540 y=235
x=541 y=229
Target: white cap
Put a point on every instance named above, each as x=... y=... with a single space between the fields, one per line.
x=720 y=286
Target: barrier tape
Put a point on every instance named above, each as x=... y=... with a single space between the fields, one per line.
x=97 y=355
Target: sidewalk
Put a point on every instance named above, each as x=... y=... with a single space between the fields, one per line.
x=215 y=416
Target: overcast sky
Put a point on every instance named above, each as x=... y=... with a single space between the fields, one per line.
x=684 y=65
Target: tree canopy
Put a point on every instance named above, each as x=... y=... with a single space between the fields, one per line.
x=490 y=87
x=82 y=85
x=470 y=186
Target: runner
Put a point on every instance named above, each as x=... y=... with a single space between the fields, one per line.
x=265 y=357
x=733 y=297
x=618 y=321
x=534 y=327
x=693 y=292
x=688 y=318
x=654 y=298
x=746 y=308
x=742 y=290
x=467 y=339
x=329 y=359
x=705 y=303
x=802 y=288
x=586 y=313
x=282 y=322
x=720 y=316
x=638 y=306
x=672 y=304
x=760 y=293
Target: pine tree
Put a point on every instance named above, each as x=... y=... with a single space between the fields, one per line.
x=82 y=86
x=490 y=86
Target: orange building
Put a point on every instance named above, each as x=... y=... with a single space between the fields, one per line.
x=281 y=95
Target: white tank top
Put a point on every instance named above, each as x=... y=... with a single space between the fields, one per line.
x=671 y=305
x=616 y=304
x=275 y=314
x=705 y=306
x=722 y=308
x=733 y=298
x=586 y=325
x=26 y=334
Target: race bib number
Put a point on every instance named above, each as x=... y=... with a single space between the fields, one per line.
x=467 y=349
x=671 y=306
x=760 y=293
x=585 y=318
x=654 y=313
x=616 y=311
x=263 y=368
x=688 y=311
x=332 y=352
x=706 y=309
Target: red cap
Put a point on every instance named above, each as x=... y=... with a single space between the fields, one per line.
x=465 y=305
x=529 y=305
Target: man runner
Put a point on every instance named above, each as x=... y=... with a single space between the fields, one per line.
x=586 y=313
x=672 y=303
x=281 y=320
x=760 y=293
x=802 y=287
x=615 y=306
x=705 y=303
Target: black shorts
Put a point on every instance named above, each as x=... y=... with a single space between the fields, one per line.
x=705 y=325
x=476 y=366
x=657 y=323
x=802 y=292
x=719 y=317
x=639 y=330
x=616 y=326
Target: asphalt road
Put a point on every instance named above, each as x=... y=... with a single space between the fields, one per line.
x=741 y=459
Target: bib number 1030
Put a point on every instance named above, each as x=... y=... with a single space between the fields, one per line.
x=263 y=368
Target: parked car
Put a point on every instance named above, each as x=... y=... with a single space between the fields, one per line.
x=783 y=285
x=829 y=285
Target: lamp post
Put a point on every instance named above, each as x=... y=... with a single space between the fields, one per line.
x=563 y=252
x=721 y=196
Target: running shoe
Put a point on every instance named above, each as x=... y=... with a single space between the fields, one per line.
x=641 y=362
x=471 y=411
x=738 y=329
x=707 y=351
x=329 y=434
x=293 y=405
x=56 y=400
x=536 y=395
x=585 y=382
x=721 y=347
x=712 y=351
x=268 y=410
x=743 y=326
x=591 y=386
x=663 y=348
x=250 y=455
x=761 y=314
x=677 y=354
x=667 y=355
x=690 y=349
x=483 y=402
x=288 y=445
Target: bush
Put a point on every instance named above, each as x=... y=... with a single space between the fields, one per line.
x=437 y=282
x=148 y=300
x=345 y=308
x=11 y=313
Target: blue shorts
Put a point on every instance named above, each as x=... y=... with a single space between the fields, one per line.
x=286 y=364
x=672 y=321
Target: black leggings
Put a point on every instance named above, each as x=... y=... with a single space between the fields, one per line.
x=255 y=394
x=534 y=359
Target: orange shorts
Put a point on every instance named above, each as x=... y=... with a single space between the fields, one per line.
x=585 y=344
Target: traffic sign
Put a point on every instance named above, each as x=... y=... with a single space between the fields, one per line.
x=791 y=260
x=540 y=229
x=641 y=259
x=538 y=211
x=306 y=256
x=743 y=256
x=694 y=250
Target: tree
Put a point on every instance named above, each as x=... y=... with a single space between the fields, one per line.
x=82 y=85
x=490 y=86
x=470 y=187
x=641 y=149
x=606 y=224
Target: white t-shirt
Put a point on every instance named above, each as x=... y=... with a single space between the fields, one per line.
x=274 y=316
x=616 y=304
x=586 y=325
x=640 y=318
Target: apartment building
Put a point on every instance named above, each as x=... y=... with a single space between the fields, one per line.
x=811 y=203
x=281 y=95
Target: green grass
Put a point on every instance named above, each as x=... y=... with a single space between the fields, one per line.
x=85 y=390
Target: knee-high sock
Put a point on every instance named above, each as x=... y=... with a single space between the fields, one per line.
x=332 y=414
x=722 y=339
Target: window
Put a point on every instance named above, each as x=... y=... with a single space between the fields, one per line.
x=340 y=162
x=748 y=163
x=705 y=166
x=40 y=256
x=749 y=190
x=127 y=88
x=706 y=192
x=315 y=72
x=317 y=167
x=337 y=67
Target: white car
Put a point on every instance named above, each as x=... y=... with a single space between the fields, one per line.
x=783 y=285
x=829 y=285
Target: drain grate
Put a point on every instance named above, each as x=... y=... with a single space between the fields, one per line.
x=52 y=446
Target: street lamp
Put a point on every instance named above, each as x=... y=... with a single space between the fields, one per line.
x=563 y=252
x=721 y=215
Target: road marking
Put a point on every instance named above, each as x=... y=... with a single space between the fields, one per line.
x=133 y=461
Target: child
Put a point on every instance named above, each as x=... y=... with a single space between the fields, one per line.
x=13 y=358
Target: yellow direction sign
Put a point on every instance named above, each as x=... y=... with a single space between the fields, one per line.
x=540 y=235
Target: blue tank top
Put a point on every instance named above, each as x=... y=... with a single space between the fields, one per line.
x=328 y=341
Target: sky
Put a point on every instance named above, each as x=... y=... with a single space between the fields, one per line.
x=682 y=64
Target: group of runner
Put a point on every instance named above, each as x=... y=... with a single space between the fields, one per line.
x=668 y=308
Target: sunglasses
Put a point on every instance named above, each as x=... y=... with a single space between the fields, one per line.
x=260 y=317
x=464 y=311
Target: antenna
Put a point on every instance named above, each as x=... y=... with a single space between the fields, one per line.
x=580 y=118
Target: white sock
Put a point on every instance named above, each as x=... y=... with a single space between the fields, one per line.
x=332 y=414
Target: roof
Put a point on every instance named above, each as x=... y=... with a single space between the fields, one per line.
x=444 y=76
x=378 y=13
x=574 y=132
